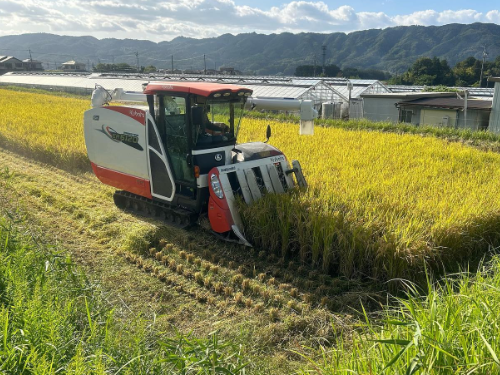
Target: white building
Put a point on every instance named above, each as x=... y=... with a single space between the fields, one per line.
x=73 y=66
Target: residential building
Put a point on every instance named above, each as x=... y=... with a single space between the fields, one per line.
x=457 y=113
x=10 y=64
x=380 y=106
x=31 y=65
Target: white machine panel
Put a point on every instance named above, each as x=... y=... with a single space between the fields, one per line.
x=116 y=139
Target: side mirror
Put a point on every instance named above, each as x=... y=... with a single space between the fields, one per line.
x=268 y=133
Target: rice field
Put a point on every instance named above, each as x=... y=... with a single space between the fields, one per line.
x=48 y=128
x=380 y=205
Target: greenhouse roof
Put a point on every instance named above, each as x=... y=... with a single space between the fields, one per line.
x=278 y=91
x=361 y=86
x=313 y=88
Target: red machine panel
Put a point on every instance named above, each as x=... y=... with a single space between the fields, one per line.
x=123 y=181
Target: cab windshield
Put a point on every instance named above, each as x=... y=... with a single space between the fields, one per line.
x=215 y=121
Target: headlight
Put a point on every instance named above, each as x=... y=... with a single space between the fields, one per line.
x=214 y=180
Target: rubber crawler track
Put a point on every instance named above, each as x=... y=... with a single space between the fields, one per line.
x=176 y=217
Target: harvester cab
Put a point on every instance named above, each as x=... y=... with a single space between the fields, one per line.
x=175 y=155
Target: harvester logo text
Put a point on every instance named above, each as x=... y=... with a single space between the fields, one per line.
x=126 y=138
x=136 y=113
x=277 y=159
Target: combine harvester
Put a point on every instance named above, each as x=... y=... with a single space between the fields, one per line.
x=170 y=158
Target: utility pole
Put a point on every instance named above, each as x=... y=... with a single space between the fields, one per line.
x=137 y=60
x=31 y=60
x=205 y=65
x=314 y=72
x=172 y=64
x=466 y=97
x=323 y=47
x=482 y=66
x=349 y=87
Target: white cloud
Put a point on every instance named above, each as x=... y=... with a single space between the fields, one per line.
x=425 y=17
x=493 y=16
x=370 y=20
x=460 y=16
x=165 y=19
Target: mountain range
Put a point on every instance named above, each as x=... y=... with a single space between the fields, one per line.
x=392 y=49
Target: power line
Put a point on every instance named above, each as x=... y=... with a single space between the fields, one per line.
x=11 y=49
x=43 y=55
x=112 y=56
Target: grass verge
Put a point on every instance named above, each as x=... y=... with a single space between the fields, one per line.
x=449 y=328
x=54 y=319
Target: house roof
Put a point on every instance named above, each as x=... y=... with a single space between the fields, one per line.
x=7 y=58
x=473 y=91
x=448 y=103
x=409 y=95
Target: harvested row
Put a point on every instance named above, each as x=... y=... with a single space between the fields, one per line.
x=78 y=211
x=250 y=282
x=188 y=253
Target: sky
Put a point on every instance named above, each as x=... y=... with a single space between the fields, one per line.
x=159 y=20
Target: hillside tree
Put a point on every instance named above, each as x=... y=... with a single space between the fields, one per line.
x=428 y=72
x=317 y=71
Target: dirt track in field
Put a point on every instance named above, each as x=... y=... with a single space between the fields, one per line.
x=186 y=279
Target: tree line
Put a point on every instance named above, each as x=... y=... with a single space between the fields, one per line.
x=333 y=70
x=434 y=72
x=122 y=68
x=425 y=71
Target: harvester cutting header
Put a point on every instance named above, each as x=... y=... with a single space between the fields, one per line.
x=175 y=155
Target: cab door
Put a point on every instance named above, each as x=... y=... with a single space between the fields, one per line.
x=161 y=176
x=173 y=123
